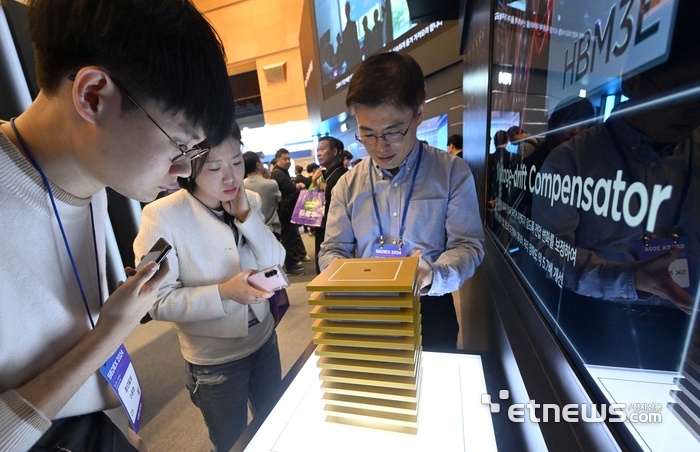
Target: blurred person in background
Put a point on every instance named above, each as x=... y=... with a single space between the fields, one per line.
x=329 y=156
x=299 y=176
x=347 y=158
x=291 y=239
x=267 y=189
x=454 y=145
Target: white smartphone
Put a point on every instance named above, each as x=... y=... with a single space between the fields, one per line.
x=157 y=253
x=270 y=279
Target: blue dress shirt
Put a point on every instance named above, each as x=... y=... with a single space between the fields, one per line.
x=442 y=219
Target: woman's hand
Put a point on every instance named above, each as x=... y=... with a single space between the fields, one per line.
x=238 y=207
x=238 y=290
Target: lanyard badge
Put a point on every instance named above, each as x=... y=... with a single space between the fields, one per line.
x=389 y=251
x=650 y=248
x=119 y=373
x=118 y=369
x=382 y=250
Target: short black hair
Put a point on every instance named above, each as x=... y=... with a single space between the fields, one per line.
x=311 y=167
x=163 y=51
x=298 y=168
x=573 y=110
x=333 y=142
x=455 y=140
x=392 y=78
x=346 y=155
x=280 y=153
x=500 y=138
x=197 y=164
x=251 y=160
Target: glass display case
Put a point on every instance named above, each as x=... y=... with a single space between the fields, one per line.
x=592 y=193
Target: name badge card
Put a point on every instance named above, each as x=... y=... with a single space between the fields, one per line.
x=121 y=376
x=678 y=268
x=389 y=251
x=252 y=320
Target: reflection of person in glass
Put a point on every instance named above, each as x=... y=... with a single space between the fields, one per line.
x=373 y=38
x=636 y=224
x=387 y=22
x=569 y=118
x=349 y=50
x=374 y=42
x=339 y=64
x=501 y=157
x=366 y=41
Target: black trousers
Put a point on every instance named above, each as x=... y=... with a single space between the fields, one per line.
x=439 y=321
x=92 y=432
x=293 y=245
x=320 y=234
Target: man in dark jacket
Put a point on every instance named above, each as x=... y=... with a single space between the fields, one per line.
x=298 y=170
x=291 y=240
x=330 y=152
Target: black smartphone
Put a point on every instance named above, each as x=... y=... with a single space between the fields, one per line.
x=157 y=253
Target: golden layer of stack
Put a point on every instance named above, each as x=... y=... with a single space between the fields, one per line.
x=368 y=342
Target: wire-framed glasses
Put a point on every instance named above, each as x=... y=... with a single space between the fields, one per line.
x=186 y=153
x=392 y=137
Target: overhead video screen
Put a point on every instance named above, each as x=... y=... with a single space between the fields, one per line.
x=351 y=30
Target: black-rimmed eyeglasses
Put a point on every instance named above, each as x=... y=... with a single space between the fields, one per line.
x=185 y=152
x=393 y=137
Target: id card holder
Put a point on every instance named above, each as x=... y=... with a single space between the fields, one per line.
x=678 y=268
x=119 y=373
x=252 y=320
x=388 y=251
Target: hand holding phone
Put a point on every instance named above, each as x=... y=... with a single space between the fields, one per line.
x=270 y=279
x=156 y=254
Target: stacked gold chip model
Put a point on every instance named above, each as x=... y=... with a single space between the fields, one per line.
x=368 y=340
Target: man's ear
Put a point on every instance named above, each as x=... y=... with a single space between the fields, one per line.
x=95 y=94
x=419 y=114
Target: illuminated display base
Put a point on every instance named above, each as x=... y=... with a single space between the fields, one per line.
x=636 y=386
x=368 y=329
x=451 y=415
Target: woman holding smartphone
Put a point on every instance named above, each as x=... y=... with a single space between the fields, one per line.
x=224 y=324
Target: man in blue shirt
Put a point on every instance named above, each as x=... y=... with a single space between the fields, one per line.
x=407 y=195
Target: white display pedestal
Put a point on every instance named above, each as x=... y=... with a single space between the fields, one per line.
x=451 y=415
x=637 y=386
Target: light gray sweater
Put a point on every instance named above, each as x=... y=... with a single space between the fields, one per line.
x=42 y=315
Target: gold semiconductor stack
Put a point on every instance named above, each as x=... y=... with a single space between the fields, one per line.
x=368 y=342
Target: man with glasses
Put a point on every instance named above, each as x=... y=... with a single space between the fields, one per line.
x=112 y=111
x=407 y=198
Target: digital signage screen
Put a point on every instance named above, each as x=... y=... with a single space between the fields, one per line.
x=349 y=31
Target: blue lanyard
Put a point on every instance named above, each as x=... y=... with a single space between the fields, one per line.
x=405 y=207
x=60 y=225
